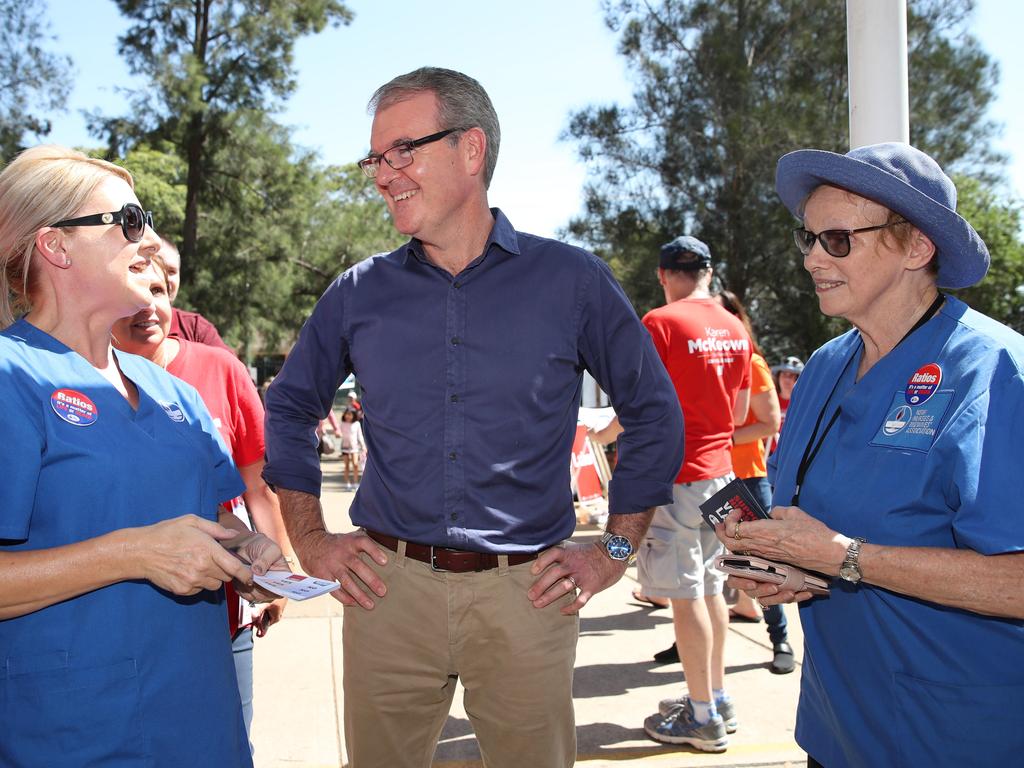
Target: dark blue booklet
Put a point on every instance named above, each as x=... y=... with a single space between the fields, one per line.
x=733 y=497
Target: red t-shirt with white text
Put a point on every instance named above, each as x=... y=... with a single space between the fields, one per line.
x=706 y=351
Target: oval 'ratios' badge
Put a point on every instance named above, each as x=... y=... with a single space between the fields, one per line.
x=74 y=407
x=923 y=384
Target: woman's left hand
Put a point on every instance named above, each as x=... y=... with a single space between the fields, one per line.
x=791 y=536
x=262 y=554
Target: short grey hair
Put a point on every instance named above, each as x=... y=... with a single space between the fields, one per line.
x=462 y=103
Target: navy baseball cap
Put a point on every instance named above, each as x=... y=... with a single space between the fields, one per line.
x=684 y=252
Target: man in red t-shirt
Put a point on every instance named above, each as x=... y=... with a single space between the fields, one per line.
x=706 y=351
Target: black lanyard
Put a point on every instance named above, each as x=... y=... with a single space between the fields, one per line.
x=812 y=448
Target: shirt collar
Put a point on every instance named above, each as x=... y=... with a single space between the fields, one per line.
x=503 y=235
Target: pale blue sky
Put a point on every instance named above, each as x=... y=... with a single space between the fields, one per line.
x=538 y=59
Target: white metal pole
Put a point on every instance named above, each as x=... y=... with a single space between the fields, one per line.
x=876 y=45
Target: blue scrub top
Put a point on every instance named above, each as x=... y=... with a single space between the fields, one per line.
x=888 y=679
x=126 y=675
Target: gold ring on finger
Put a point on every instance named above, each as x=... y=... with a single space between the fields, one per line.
x=736 y=533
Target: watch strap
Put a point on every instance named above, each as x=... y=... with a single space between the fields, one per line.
x=851 y=562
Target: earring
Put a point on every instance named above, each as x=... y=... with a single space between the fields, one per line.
x=67 y=261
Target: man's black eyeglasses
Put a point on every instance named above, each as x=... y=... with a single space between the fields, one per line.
x=131 y=217
x=400 y=155
x=836 y=242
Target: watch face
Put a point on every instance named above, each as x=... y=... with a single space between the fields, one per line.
x=619 y=548
x=849 y=572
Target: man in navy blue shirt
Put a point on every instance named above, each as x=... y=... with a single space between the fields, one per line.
x=469 y=343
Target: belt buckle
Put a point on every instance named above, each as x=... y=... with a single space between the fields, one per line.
x=433 y=560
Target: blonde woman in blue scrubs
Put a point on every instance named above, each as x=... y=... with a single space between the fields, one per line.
x=899 y=474
x=112 y=643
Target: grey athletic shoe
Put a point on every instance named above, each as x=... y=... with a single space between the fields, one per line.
x=725 y=708
x=680 y=727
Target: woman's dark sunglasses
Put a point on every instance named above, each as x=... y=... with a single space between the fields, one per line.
x=131 y=217
x=836 y=242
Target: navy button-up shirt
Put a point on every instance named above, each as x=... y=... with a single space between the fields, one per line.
x=471 y=388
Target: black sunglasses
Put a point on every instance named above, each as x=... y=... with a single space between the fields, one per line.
x=131 y=217
x=836 y=242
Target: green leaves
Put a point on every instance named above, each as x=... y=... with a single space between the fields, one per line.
x=275 y=228
x=262 y=226
x=998 y=221
x=34 y=80
x=725 y=88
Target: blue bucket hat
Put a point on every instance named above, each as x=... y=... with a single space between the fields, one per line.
x=904 y=180
x=684 y=252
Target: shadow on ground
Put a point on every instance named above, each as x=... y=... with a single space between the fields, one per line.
x=639 y=618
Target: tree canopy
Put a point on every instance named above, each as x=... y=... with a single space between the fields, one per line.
x=280 y=230
x=262 y=226
x=34 y=81
x=723 y=89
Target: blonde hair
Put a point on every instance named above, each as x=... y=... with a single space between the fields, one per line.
x=40 y=186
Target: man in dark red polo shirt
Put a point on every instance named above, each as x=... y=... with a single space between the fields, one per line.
x=190 y=326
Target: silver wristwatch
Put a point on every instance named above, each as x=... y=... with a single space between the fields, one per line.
x=850 y=569
x=618 y=547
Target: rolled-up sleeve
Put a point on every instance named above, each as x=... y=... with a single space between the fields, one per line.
x=619 y=353
x=303 y=392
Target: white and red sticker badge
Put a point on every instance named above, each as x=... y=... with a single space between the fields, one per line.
x=923 y=384
x=916 y=414
x=74 y=407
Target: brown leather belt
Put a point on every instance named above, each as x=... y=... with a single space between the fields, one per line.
x=444 y=559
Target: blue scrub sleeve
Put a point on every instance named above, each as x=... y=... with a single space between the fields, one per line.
x=987 y=477
x=21 y=456
x=227 y=482
x=619 y=353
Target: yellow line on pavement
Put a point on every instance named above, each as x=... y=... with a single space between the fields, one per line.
x=666 y=753
x=670 y=752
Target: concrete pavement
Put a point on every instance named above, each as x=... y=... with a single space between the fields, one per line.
x=298 y=698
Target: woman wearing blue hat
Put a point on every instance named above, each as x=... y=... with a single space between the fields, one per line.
x=897 y=474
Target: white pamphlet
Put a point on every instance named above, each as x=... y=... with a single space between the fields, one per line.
x=294 y=586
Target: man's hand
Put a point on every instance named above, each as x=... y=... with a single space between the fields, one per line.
x=342 y=557
x=568 y=567
x=346 y=558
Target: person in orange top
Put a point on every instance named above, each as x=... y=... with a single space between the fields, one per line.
x=749 y=463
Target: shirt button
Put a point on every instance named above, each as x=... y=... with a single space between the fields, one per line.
x=452 y=456
x=455 y=398
x=456 y=284
x=456 y=341
x=454 y=517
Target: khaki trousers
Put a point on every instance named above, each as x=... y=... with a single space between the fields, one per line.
x=403 y=658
